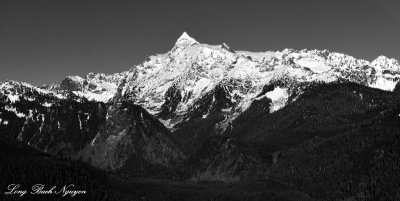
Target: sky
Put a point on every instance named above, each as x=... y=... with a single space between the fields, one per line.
x=43 y=41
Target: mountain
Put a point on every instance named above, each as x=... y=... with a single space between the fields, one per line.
x=95 y=86
x=205 y=88
x=171 y=85
x=191 y=71
x=322 y=110
x=256 y=139
x=208 y=113
x=121 y=138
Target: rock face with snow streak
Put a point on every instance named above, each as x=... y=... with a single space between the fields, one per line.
x=72 y=83
x=122 y=138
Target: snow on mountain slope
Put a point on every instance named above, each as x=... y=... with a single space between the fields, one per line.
x=95 y=86
x=170 y=85
x=196 y=90
x=186 y=73
x=177 y=79
x=279 y=97
x=315 y=66
x=106 y=136
x=386 y=64
x=12 y=92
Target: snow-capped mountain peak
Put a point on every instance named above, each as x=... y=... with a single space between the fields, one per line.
x=384 y=59
x=171 y=85
x=185 y=40
x=386 y=63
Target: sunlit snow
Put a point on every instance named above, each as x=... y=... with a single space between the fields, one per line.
x=195 y=69
x=279 y=97
x=14 y=110
x=314 y=66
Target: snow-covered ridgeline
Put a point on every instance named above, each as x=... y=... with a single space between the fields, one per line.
x=192 y=69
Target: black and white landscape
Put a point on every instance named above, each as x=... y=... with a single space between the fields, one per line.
x=208 y=123
x=287 y=125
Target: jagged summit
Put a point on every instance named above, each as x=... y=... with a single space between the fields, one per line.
x=194 y=69
x=384 y=59
x=386 y=63
x=185 y=39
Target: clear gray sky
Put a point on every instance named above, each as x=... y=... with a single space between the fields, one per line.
x=43 y=41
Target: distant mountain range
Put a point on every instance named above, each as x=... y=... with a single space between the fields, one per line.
x=208 y=113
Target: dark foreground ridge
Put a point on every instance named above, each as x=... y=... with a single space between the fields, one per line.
x=38 y=168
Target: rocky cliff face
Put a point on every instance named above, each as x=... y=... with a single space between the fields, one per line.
x=121 y=138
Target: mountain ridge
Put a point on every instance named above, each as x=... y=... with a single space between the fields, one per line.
x=193 y=80
x=207 y=113
x=185 y=41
